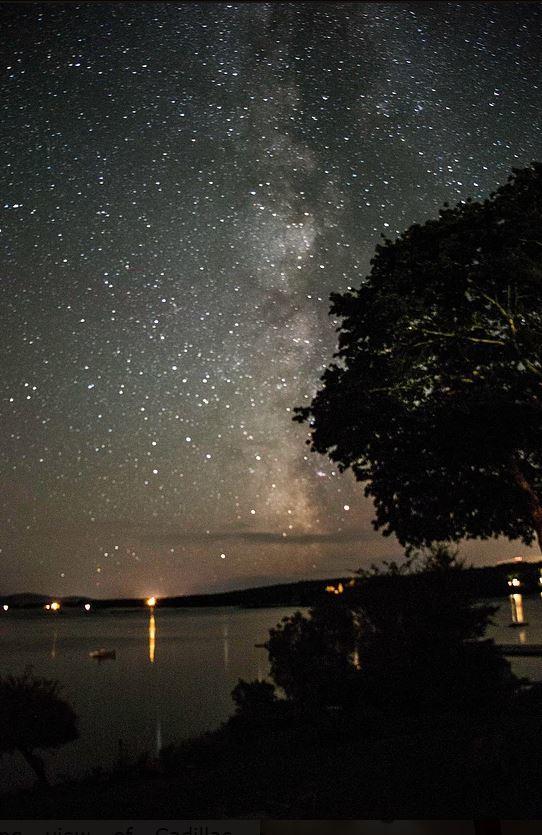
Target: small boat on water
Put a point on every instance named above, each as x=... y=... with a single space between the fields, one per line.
x=101 y=654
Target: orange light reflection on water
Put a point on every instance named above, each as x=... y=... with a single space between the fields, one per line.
x=152 y=637
x=516 y=605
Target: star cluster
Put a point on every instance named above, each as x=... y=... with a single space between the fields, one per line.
x=182 y=187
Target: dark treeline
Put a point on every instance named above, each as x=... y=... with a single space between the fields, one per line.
x=488 y=581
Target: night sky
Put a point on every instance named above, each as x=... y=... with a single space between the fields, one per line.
x=182 y=187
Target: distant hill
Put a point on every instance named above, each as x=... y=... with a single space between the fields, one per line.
x=26 y=600
x=487 y=581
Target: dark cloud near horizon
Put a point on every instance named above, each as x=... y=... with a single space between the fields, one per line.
x=269 y=537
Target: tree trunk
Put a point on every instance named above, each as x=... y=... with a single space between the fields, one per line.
x=533 y=501
x=36 y=764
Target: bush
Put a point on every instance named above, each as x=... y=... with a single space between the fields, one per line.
x=34 y=716
x=312 y=658
x=254 y=697
x=395 y=644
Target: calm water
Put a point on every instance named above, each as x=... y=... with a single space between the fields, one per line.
x=172 y=678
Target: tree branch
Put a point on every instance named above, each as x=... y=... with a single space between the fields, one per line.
x=474 y=339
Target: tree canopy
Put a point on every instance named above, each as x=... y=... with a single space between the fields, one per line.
x=434 y=399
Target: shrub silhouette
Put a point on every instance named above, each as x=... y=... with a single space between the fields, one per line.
x=254 y=697
x=393 y=645
x=420 y=644
x=311 y=658
x=34 y=716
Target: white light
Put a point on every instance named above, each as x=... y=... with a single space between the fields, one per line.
x=5 y=607
x=223 y=556
x=346 y=507
x=87 y=607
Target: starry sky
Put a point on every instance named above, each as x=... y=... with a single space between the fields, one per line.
x=182 y=187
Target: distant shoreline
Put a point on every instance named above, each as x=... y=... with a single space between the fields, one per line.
x=486 y=581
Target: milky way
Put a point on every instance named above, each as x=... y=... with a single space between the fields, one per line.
x=182 y=187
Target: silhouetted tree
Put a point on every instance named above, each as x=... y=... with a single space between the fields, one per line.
x=421 y=650
x=33 y=716
x=435 y=400
x=312 y=658
x=394 y=644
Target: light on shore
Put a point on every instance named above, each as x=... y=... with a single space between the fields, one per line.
x=5 y=607
x=335 y=589
x=151 y=601
x=87 y=607
x=54 y=606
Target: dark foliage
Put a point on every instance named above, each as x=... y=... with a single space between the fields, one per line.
x=311 y=658
x=33 y=716
x=394 y=645
x=256 y=702
x=435 y=401
x=421 y=647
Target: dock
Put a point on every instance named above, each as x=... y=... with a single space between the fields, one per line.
x=533 y=650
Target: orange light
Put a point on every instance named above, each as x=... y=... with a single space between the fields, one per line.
x=151 y=601
x=55 y=606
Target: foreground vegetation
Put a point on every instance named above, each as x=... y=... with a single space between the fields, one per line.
x=377 y=707
x=485 y=767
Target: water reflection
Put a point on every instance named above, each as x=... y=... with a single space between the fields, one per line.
x=152 y=636
x=154 y=681
x=355 y=659
x=516 y=606
x=53 y=648
x=188 y=671
x=226 y=643
x=158 y=734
